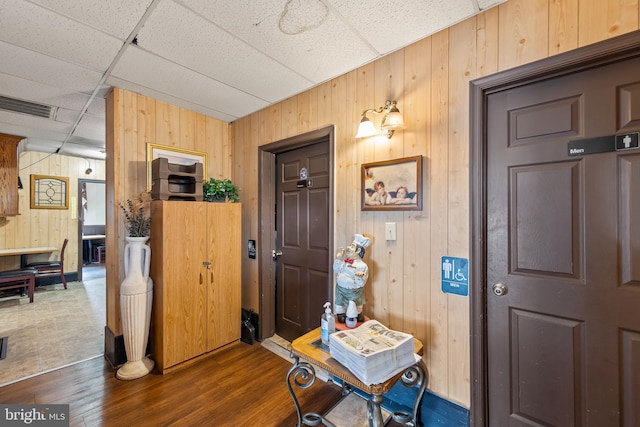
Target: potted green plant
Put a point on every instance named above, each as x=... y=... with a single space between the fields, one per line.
x=219 y=190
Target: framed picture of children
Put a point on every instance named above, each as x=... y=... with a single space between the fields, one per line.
x=392 y=185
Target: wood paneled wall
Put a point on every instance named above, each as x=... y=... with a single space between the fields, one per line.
x=46 y=227
x=134 y=120
x=430 y=81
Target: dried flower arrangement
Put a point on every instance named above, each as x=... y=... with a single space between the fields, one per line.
x=136 y=214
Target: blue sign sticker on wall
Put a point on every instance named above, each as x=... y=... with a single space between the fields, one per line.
x=455 y=275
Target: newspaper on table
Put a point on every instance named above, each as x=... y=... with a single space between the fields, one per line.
x=373 y=352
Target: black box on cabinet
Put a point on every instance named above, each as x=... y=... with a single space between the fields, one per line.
x=171 y=181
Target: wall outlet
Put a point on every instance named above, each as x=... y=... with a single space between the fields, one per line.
x=390 y=230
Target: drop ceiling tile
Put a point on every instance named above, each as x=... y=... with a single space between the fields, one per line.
x=91 y=142
x=97 y=106
x=73 y=101
x=78 y=147
x=180 y=102
x=90 y=120
x=81 y=150
x=66 y=116
x=90 y=128
x=16 y=87
x=30 y=65
x=41 y=126
x=177 y=34
x=44 y=145
x=223 y=58
x=150 y=71
x=36 y=28
x=319 y=45
x=389 y=26
x=115 y=17
x=26 y=130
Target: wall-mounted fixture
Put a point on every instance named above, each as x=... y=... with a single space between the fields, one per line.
x=88 y=170
x=391 y=121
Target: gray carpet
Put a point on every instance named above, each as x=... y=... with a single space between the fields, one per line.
x=59 y=328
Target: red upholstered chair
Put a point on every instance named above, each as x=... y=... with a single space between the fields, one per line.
x=51 y=268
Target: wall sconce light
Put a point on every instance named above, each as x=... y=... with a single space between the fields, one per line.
x=391 y=121
x=88 y=170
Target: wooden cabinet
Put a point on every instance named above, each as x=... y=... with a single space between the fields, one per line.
x=9 y=174
x=195 y=267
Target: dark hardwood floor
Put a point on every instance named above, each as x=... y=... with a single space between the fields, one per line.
x=241 y=385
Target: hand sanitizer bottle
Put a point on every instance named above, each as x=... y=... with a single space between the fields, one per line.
x=327 y=323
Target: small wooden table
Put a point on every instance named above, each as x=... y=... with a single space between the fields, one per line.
x=302 y=374
x=25 y=252
x=88 y=241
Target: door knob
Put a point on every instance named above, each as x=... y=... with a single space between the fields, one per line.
x=275 y=254
x=499 y=289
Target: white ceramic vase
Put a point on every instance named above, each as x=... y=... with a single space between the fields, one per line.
x=136 y=297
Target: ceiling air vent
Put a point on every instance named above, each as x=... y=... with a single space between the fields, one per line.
x=24 y=107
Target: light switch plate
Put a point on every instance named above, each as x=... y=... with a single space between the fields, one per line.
x=390 y=230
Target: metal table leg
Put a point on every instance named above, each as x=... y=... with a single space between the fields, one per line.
x=374 y=411
x=415 y=375
x=302 y=375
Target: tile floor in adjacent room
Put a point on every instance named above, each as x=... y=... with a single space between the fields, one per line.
x=59 y=328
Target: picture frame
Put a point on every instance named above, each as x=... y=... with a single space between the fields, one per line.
x=392 y=185
x=174 y=155
x=49 y=192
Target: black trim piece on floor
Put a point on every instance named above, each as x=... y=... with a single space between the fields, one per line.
x=4 y=343
x=114 y=350
x=52 y=280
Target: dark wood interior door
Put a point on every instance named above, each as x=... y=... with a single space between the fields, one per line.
x=563 y=252
x=303 y=275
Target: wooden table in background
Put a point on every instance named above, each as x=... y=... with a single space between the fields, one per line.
x=309 y=348
x=25 y=252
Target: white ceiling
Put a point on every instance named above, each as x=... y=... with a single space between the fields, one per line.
x=222 y=58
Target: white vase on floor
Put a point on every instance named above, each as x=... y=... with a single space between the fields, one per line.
x=136 y=297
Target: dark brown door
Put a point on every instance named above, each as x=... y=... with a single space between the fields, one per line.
x=563 y=253
x=303 y=282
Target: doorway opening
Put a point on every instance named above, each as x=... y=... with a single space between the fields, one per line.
x=91 y=224
x=582 y=67
x=267 y=217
